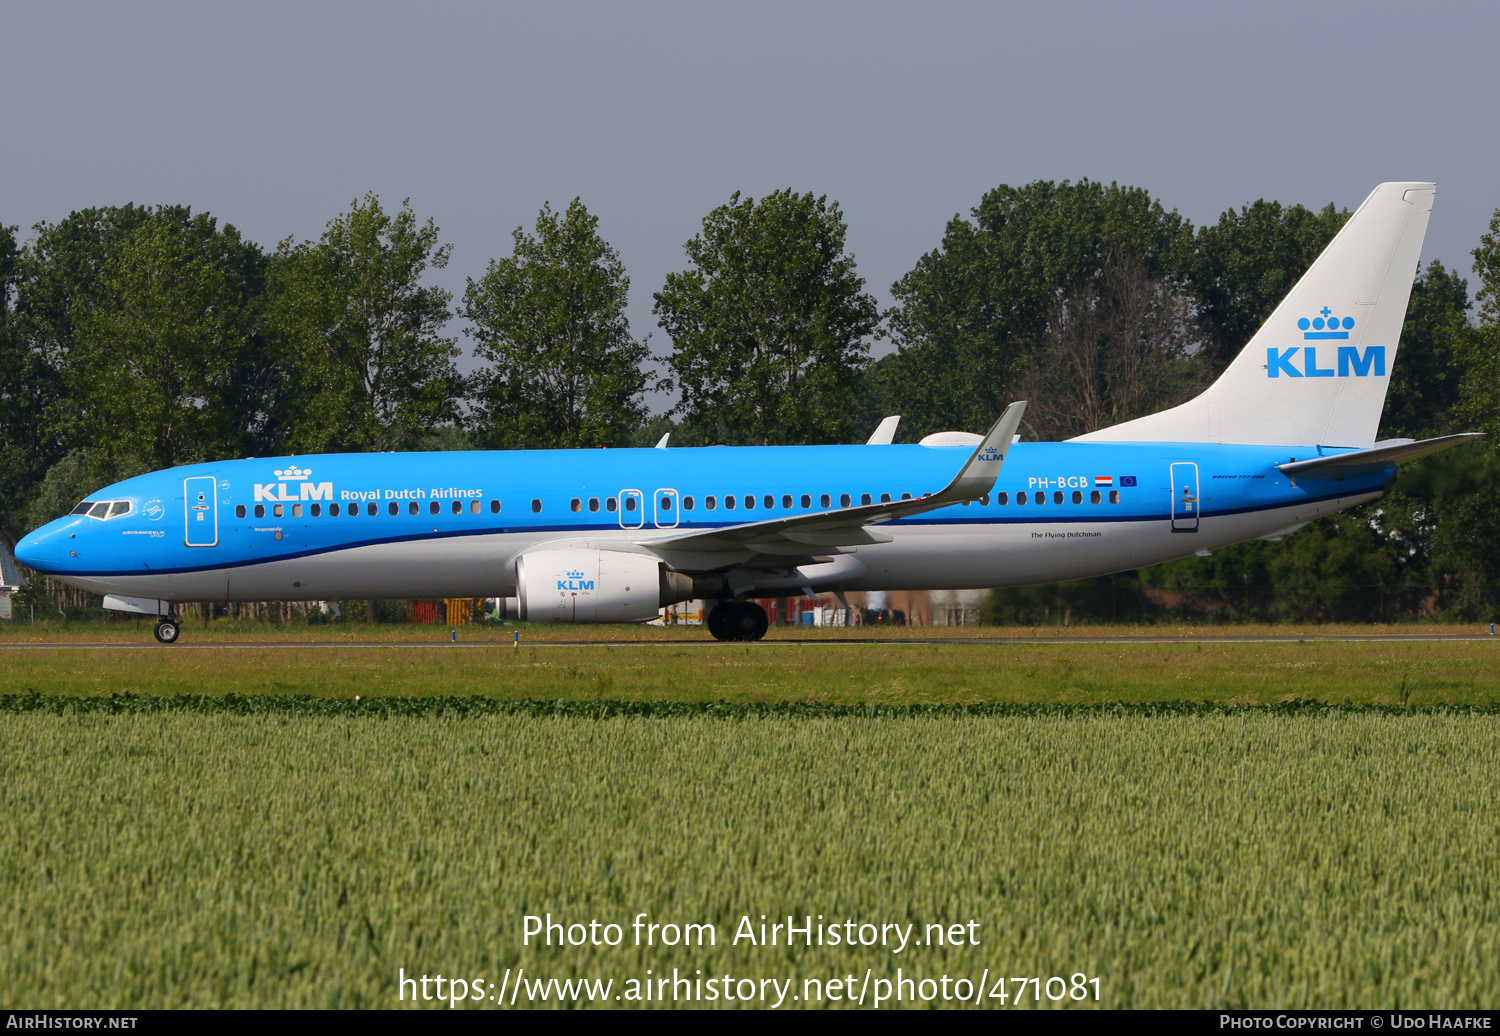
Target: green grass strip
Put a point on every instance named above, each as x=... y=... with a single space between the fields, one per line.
x=473 y=705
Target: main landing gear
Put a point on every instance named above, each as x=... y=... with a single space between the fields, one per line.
x=738 y=620
x=167 y=630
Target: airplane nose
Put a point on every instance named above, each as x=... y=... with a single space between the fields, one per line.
x=39 y=552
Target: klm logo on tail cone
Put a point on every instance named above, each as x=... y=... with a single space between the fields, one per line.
x=575 y=581
x=1349 y=363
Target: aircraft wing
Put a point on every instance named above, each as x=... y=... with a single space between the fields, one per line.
x=1364 y=461
x=779 y=542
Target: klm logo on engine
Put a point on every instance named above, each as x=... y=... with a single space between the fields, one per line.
x=575 y=581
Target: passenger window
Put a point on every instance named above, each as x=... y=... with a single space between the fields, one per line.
x=1002 y=499
x=317 y=509
x=412 y=508
x=985 y=500
x=393 y=508
x=239 y=510
x=769 y=501
x=1039 y=498
x=687 y=503
x=827 y=500
x=575 y=504
x=118 y=508
x=844 y=500
x=1078 y=496
x=458 y=506
x=372 y=509
x=806 y=500
x=710 y=502
x=279 y=510
x=434 y=507
x=1021 y=497
x=1114 y=496
x=296 y=510
x=473 y=506
x=536 y=507
x=593 y=503
x=629 y=504
x=749 y=502
x=864 y=498
x=1057 y=497
x=260 y=510
x=905 y=496
x=666 y=503
x=99 y=510
x=495 y=506
x=786 y=501
x=885 y=498
x=611 y=504
x=729 y=503
x=333 y=509
x=1094 y=497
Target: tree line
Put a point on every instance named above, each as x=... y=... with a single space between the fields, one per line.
x=134 y=338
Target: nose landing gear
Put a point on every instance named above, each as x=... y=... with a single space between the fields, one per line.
x=738 y=620
x=167 y=631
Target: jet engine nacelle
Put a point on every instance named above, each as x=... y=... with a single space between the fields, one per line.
x=587 y=585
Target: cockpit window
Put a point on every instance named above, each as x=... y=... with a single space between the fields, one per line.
x=103 y=508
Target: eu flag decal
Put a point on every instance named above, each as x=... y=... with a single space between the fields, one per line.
x=1127 y=480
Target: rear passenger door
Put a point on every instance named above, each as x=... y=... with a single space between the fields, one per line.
x=1185 y=496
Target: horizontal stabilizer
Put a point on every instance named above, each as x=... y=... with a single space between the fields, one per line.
x=1362 y=462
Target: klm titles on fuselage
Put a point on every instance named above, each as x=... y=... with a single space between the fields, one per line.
x=278 y=492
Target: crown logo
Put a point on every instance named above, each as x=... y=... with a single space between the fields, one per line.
x=1325 y=326
x=575 y=575
x=293 y=473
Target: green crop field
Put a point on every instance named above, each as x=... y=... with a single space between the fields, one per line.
x=298 y=852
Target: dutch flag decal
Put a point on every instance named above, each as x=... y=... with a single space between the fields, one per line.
x=1104 y=480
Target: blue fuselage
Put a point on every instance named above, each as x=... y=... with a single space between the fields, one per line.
x=453 y=523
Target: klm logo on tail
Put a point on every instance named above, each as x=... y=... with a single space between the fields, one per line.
x=1348 y=363
x=1325 y=326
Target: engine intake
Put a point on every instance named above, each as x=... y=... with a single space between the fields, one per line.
x=588 y=585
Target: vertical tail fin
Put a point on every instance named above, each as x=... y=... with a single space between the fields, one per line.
x=1316 y=372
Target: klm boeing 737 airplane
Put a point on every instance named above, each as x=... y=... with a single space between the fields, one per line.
x=1284 y=436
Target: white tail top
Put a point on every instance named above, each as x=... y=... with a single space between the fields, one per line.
x=1316 y=372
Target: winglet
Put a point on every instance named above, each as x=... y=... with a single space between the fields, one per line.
x=977 y=477
x=662 y=442
x=885 y=434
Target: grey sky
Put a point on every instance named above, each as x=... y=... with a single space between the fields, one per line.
x=274 y=116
